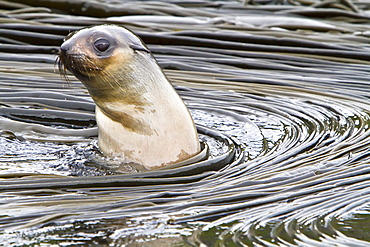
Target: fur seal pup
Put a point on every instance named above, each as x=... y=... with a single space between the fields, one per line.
x=140 y=117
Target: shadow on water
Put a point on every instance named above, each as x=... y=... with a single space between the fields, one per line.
x=280 y=96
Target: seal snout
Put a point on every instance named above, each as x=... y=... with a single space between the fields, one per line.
x=64 y=48
x=74 y=58
x=64 y=61
x=68 y=50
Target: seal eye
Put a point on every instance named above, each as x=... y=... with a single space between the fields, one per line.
x=102 y=45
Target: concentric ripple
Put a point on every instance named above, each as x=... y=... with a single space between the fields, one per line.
x=282 y=115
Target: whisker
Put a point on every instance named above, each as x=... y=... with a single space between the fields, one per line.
x=62 y=69
x=113 y=83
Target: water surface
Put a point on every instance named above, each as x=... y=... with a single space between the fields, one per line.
x=280 y=96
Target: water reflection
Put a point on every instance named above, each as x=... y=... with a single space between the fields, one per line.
x=283 y=109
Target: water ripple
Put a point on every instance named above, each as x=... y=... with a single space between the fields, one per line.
x=282 y=115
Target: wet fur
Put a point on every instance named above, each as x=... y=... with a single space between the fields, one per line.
x=140 y=116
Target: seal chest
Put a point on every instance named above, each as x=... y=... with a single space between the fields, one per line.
x=141 y=119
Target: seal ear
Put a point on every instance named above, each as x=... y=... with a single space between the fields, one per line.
x=139 y=48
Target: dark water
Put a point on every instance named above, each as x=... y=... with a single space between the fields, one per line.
x=280 y=95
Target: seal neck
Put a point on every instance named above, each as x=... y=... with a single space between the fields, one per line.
x=116 y=83
x=139 y=96
x=145 y=122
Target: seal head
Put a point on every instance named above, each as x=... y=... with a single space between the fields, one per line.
x=141 y=119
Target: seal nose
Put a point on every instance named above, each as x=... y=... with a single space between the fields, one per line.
x=64 y=48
